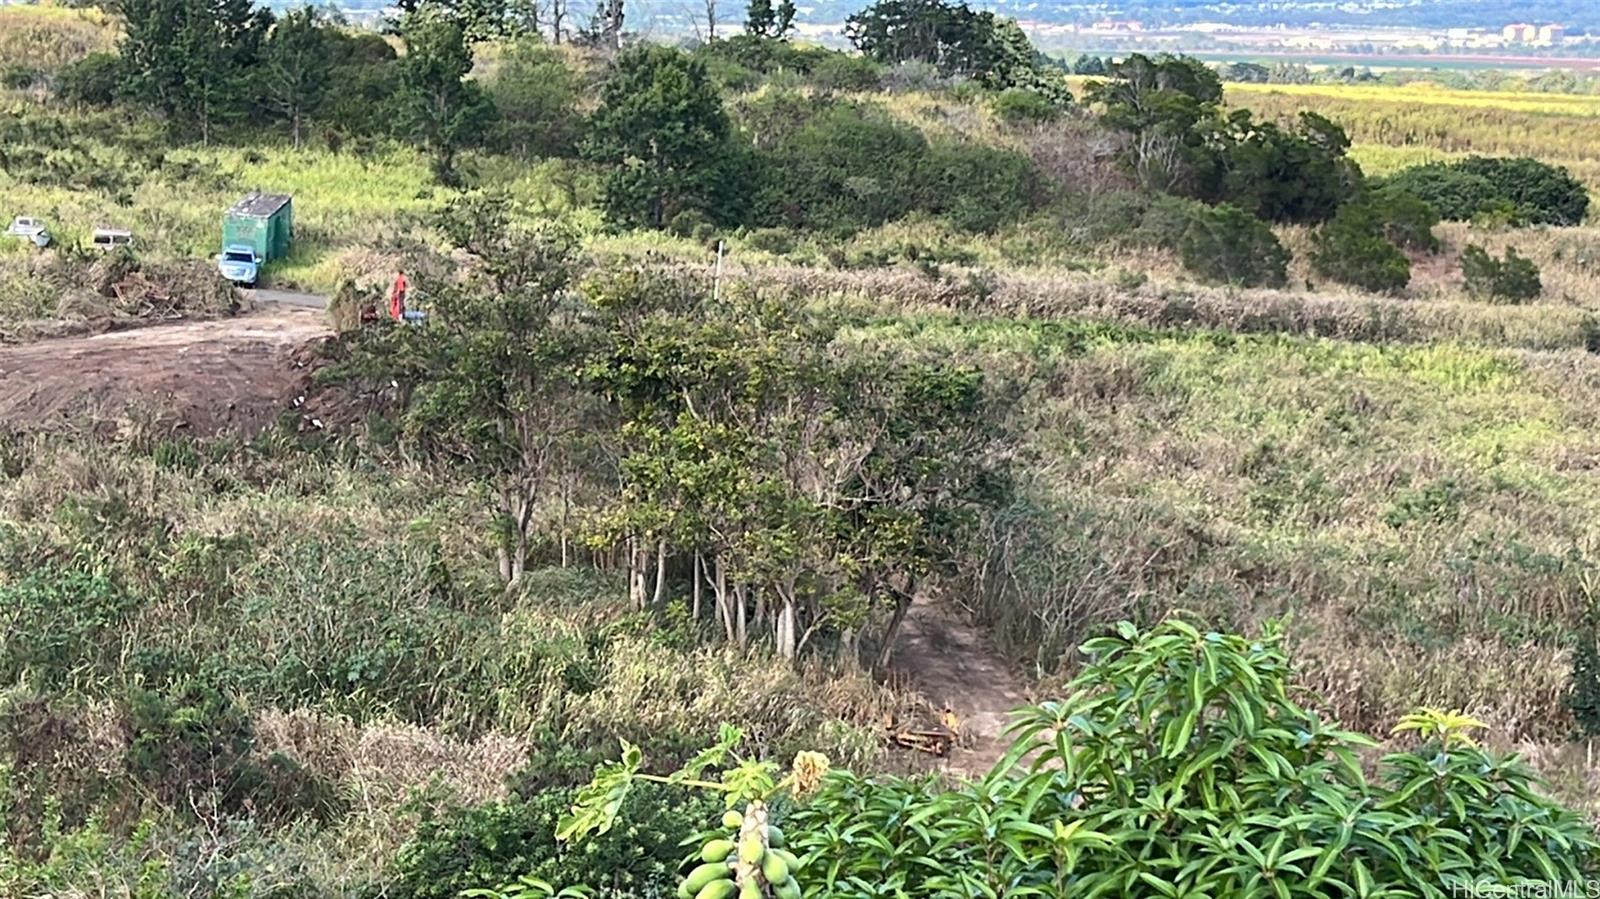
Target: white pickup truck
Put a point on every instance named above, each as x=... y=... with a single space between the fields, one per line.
x=30 y=229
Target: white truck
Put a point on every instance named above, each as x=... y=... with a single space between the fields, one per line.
x=30 y=229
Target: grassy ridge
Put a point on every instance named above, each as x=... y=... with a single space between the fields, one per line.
x=1409 y=506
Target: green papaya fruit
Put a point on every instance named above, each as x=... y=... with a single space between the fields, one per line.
x=750 y=889
x=717 y=889
x=789 y=889
x=716 y=851
x=705 y=874
x=732 y=819
x=790 y=859
x=775 y=837
x=751 y=851
x=774 y=868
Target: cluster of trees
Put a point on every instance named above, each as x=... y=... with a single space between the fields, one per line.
x=1181 y=141
x=732 y=453
x=674 y=159
x=952 y=37
x=204 y=66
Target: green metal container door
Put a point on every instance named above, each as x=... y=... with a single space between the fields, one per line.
x=264 y=223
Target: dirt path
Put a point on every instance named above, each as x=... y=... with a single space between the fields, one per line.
x=953 y=665
x=230 y=375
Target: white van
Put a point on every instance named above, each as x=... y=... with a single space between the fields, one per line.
x=107 y=239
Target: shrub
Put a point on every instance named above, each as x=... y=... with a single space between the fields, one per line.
x=978 y=188
x=1408 y=221
x=15 y=77
x=1536 y=192
x=1455 y=195
x=846 y=167
x=1584 y=698
x=1177 y=766
x=1514 y=278
x=1544 y=194
x=1018 y=105
x=1227 y=245
x=493 y=844
x=91 y=81
x=844 y=72
x=1352 y=249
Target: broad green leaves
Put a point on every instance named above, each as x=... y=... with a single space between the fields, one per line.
x=1179 y=767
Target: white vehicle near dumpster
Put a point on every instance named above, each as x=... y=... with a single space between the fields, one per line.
x=239 y=264
x=30 y=229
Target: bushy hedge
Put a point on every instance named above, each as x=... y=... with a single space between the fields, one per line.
x=1533 y=192
x=1227 y=245
x=849 y=166
x=477 y=847
x=1354 y=249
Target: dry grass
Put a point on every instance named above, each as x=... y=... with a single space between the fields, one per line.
x=45 y=37
x=1176 y=304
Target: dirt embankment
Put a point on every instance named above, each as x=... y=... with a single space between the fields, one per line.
x=230 y=375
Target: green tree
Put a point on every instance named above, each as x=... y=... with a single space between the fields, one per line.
x=1298 y=176
x=1352 y=248
x=1161 y=103
x=536 y=95
x=662 y=130
x=948 y=35
x=295 y=67
x=189 y=59
x=1513 y=278
x=489 y=386
x=1227 y=245
x=438 y=108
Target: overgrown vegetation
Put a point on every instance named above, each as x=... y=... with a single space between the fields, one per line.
x=732 y=354
x=1177 y=763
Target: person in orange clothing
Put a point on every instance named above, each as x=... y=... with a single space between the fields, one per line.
x=397 y=297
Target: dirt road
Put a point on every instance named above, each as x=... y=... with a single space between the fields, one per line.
x=955 y=667
x=233 y=375
x=287 y=298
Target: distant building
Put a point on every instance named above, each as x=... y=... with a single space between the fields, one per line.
x=1520 y=33
x=1551 y=34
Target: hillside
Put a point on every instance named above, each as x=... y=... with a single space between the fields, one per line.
x=816 y=408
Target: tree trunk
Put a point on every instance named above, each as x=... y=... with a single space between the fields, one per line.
x=724 y=601
x=902 y=604
x=297 y=129
x=784 y=630
x=661 y=572
x=741 y=622
x=636 y=575
x=699 y=573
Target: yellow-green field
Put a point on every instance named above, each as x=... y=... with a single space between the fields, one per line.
x=1394 y=127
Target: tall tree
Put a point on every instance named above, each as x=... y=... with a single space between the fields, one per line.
x=189 y=59
x=296 y=67
x=488 y=386
x=662 y=128
x=439 y=109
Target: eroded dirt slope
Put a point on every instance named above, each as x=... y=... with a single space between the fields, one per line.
x=231 y=375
